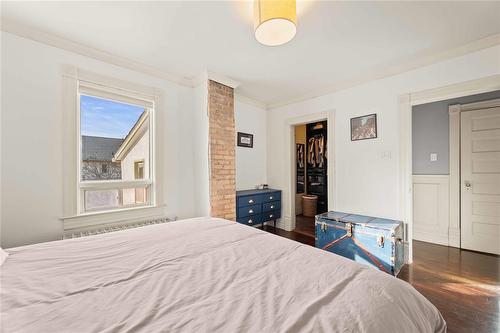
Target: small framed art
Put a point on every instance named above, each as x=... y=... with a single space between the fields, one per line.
x=364 y=127
x=245 y=140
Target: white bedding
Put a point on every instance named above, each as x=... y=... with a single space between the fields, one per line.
x=201 y=275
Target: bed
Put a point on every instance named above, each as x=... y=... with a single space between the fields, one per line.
x=201 y=275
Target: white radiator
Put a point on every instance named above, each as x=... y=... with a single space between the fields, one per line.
x=110 y=228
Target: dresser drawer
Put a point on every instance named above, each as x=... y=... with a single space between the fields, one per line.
x=249 y=200
x=270 y=206
x=273 y=196
x=249 y=210
x=250 y=220
x=269 y=216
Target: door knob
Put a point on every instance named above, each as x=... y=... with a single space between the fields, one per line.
x=467 y=184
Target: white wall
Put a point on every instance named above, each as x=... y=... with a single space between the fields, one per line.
x=251 y=163
x=32 y=147
x=366 y=181
x=200 y=150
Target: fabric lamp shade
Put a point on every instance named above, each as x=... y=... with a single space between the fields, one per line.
x=275 y=21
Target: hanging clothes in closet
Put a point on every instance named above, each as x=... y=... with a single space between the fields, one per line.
x=317 y=151
x=317 y=161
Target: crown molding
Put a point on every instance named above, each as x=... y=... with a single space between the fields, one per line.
x=250 y=101
x=227 y=81
x=209 y=75
x=416 y=61
x=36 y=35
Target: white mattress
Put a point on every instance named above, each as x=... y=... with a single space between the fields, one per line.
x=201 y=275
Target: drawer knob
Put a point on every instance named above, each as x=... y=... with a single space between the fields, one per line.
x=250 y=201
x=272 y=206
x=250 y=211
x=270 y=216
x=270 y=198
x=250 y=221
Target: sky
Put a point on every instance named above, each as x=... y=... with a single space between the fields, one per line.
x=105 y=118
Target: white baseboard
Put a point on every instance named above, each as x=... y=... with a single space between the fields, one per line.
x=454 y=237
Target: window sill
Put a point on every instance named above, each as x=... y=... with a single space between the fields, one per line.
x=115 y=217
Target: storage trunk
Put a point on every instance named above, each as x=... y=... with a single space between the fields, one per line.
x=368 y=240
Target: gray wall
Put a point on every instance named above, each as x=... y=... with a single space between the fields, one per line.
x=430 y=133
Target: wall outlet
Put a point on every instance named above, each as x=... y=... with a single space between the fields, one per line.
x=434 y=157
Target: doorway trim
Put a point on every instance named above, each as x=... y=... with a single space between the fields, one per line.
x=406 y=102
x=329 y=116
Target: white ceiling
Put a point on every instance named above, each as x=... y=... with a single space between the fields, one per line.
x=335 y=42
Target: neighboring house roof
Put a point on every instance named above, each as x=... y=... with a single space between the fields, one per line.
x=96 y=148
x=135 y=134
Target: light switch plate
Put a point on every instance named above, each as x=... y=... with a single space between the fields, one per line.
x=434 y=157
x=386 y=155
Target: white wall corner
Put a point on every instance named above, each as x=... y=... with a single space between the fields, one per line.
x=200 y=79
x=249 y=100
x=285 y=223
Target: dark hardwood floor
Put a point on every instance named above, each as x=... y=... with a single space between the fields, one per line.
x=463 y=285
x=304 y=225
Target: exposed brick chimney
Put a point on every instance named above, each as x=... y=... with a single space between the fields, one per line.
x=221 y=143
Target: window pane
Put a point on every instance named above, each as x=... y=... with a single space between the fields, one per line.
x=120 y=198
x=113 y=136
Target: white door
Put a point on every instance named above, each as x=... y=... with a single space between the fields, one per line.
x=480 y=180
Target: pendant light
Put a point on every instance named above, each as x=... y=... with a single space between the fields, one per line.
x=275 y=21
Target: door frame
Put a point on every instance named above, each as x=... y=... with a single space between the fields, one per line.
x=406 y=102
x=329 y=116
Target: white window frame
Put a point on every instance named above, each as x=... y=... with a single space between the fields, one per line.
x=77 y=82
x=108 y=93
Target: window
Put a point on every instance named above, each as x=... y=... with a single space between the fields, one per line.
x=115 y=156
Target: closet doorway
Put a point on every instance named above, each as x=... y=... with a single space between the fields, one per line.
x=311 y=174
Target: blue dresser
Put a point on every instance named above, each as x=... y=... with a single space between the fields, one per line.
x=254 y=207
x=368 y=240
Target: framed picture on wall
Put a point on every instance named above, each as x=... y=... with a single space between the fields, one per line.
x=245 y=140
x=364 y=127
